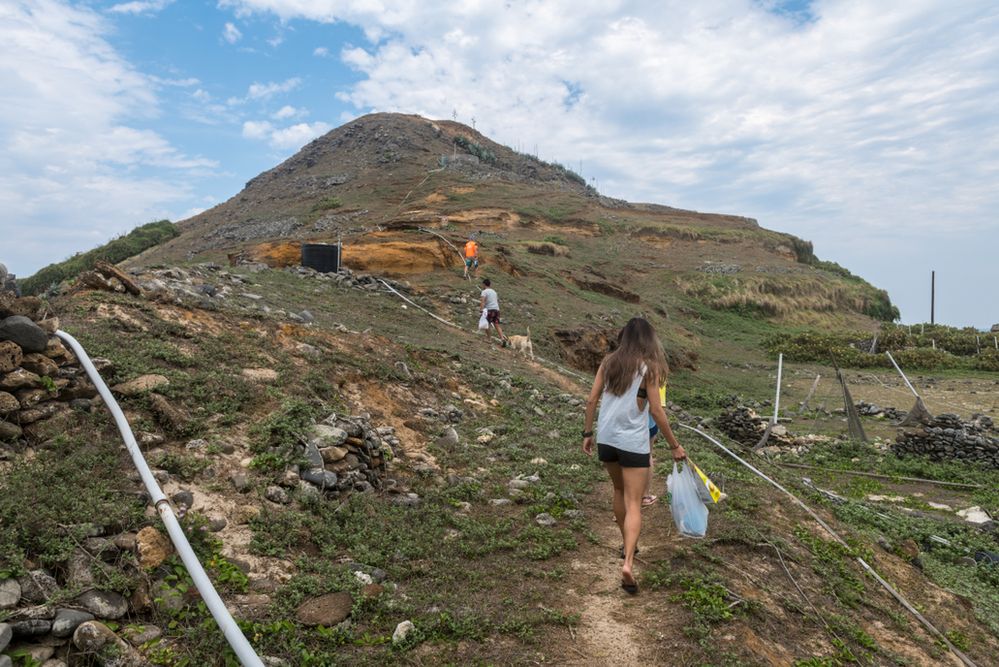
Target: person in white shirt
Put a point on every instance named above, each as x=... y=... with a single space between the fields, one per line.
x=626 y=378
x=490 y=303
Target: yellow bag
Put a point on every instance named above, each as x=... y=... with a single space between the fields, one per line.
x=707 y=492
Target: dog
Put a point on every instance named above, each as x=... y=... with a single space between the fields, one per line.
x=523 y=344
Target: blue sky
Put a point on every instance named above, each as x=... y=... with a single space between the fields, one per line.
x=870 y=129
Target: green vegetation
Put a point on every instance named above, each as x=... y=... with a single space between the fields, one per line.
x=117 y=250
x=327 y=203
x=481 y=152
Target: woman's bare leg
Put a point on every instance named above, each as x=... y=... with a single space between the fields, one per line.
x=634 y=480
x=614 y=470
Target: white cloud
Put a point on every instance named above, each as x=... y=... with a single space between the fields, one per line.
x=288 y=111
x=321 y=52
x=284 y=138
x=73 y=169
x=140 y=7
x=231 y=33
x=265 y=91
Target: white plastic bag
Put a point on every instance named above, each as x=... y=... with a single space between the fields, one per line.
x=690 y=514
x=483 y=321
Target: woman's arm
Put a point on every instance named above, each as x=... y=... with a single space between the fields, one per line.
x=591 y=409
x=659 y=416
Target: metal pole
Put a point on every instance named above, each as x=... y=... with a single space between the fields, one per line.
x=780 y=368
x=237 y=640
x=907 y=383
x=933 y=293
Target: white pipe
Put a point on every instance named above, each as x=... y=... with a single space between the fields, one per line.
x=780 y=368
x=867 y=568
x=237 y=640
x=907 y=383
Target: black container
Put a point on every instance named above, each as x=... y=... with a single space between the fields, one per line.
x=323 y=257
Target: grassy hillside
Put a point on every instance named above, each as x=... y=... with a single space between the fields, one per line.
x=117 y=250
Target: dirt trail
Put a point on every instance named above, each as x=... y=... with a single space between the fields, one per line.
x=614 y=627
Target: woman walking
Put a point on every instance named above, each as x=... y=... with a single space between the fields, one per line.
x=625 y=379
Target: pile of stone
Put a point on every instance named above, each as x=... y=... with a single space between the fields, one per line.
x=947 y=438
x=742 y=424
x=40 y=380
x=341 y=454
x=872 y=410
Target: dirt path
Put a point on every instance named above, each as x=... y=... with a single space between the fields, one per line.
x=614 y=627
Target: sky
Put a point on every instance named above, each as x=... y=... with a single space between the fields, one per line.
x=868 y=128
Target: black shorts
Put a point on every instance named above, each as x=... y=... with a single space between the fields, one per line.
x=611 y=454
x=492 y=316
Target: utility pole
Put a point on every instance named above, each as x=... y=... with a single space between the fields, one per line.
x=473 y=122
x=933 y=294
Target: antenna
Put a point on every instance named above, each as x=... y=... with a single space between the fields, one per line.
x=473 y=122
x=454 y=114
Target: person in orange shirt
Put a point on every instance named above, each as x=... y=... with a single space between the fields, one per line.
x=471 y=256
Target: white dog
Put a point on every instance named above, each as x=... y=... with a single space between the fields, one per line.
x=523 y=344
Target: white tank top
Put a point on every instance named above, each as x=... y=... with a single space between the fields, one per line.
x=620 y=423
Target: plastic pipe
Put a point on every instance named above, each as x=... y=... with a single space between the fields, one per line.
x=237 y=640
x=907 y=383
x=780 y=368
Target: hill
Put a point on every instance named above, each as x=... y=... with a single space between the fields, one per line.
x=346 y=462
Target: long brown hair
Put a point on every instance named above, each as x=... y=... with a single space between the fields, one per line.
x=637 y=344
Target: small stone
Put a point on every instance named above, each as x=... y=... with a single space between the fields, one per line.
x=38 y=586
x=67 y=620
x=10 y=593
x=370 y=591
x=19 y=379
x=104 y=604
x=141 y=385
x=545 y=519
x=216 y=523
x=276 y=494
x=241 y=482
x=153 y=547
x=538 y=461
x=94 y=636
x=183 y=498
x=34 y=627
x=10 y=356
x=140 y=634
x=6 y=634
x=402 y=631
x=448 y=439
x=500 y=501
x=324 y=479
x=326 y=610
x=261 y=375
x=125 y=541
x=333 y=454
x=363 y=577
x=324 y=435
x=198 y=443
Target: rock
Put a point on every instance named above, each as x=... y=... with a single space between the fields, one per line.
x=313 y=456
x=183 y=497
x=153 y=547
x=217 y=523
x=448 y=439
x=241 y=482
x=10 y=356
x=370 y=591
x=104 y=604
x=141 y=385
x=6 y=633
x=407 y=500
x=39 y=364
x=33 y=627
x=37 y=653
x=67 y=620
x=140 y=634
x=324 y=479
x=545 y=519
x=10 y=593
x=326 y=610
x=19 y=379
x=38 y=586
x=95 y=638
x=500 y=501
x=78 y=573
x=9 y=431
x=21 y=330
x=909 y=549
x=5 y=661
x=402 y=631
x=53 y=662
x=324 y=435
x=261 y=375
x=333 y=454
x=363 y=577
x=276 y=494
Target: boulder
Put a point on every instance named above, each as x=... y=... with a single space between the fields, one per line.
x=38 y=586
x=6 y=634
x=24 y=332
x=8 y=403
x=39 y=364
x=324 y=435
x=326 y=610
x=10 y=593
x=324 y=479
x=19 y=379
x=97 y=639
x=9 y=431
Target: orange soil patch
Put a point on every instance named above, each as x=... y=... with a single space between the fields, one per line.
x=462 y=189
x=195 y=321
x=434 y=198
x=277 y=254
x=397 y=258
x=489 y=219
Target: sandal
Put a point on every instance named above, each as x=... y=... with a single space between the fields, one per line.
x=630 y=589
x=621 y=552
x=649 y=500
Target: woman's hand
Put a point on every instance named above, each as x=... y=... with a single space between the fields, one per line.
x=678 y=453
x=588 y=444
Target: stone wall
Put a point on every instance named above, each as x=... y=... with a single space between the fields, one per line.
x=947 y=438
x=40 y=379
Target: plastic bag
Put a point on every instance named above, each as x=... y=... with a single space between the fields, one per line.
x=690 y=514
x=483 y=321
x=706 y=490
